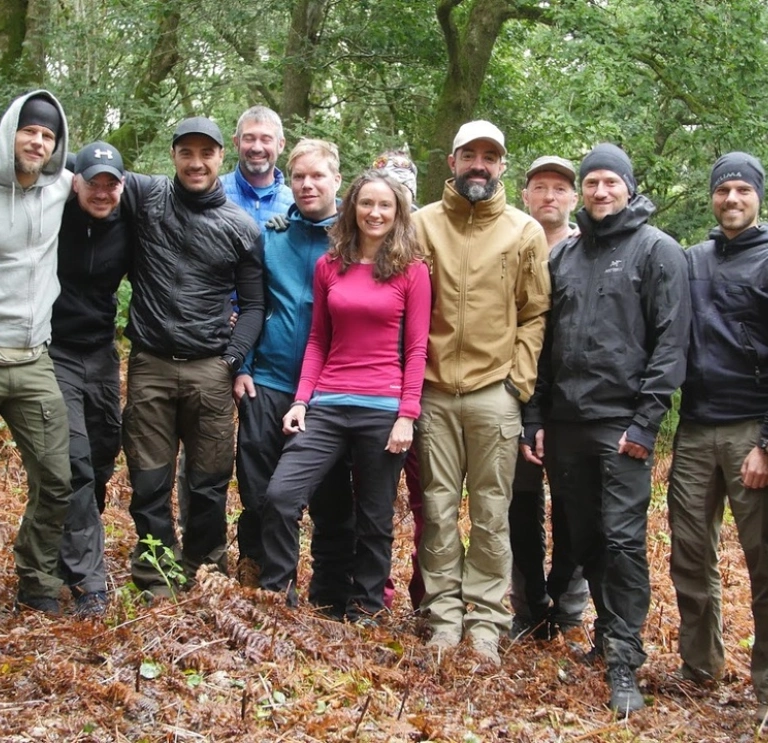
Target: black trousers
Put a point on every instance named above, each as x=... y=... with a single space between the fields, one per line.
x=527 y=536
x=606 y=497
x=332 y=432
x=90 y=384
x=260 y=442
x=564 y=586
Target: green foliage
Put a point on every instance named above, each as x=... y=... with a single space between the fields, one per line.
x=163 y=560
x=124 y=293
x=675 y=82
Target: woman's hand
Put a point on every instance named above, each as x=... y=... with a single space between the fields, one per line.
x=293 y=420
x=401 y=436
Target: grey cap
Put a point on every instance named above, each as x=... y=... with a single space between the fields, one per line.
x=198 y=125
x=552 y=163
x=99 y=157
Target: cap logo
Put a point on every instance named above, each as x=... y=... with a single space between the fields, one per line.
x=102 y=153
x=734 y=175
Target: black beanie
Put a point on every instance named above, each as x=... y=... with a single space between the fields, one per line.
x=39 y=111
x=608 y=156
x=738 y=166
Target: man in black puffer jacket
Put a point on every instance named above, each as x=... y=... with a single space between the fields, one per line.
x=614 y=353
x=194 y=248
x=721 y=447
x=95 y=248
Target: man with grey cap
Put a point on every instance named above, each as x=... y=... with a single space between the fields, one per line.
x=490 y=295
x=721 y=446
x=615 y=351
x=33 y=190
x=193 y=249
x=95 y=247
x=543 y=606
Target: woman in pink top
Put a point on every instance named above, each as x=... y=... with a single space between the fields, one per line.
x=360 y=385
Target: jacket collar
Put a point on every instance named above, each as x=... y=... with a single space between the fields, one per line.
x=635 y=214
x=482 y=211
x=248 y=188
x=749 y=238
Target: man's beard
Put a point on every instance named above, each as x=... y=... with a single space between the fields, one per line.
x=253 y=169
x=475 y=191
x=28 y=168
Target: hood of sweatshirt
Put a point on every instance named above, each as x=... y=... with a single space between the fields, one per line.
x=8 y=126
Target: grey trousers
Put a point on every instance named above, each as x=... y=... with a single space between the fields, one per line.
x=90 y=384
x=706 y=471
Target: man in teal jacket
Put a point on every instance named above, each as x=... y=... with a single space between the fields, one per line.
x=267 y=382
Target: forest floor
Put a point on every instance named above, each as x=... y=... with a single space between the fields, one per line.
x=228 y=664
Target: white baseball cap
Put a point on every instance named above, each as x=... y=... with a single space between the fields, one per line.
x=479 y=129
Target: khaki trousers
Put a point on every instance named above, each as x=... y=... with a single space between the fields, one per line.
x=706 y=470
x=472 y=436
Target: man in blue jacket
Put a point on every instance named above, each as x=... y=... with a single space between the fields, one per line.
x=721 y=447
x=266 y=385
x=256 y=185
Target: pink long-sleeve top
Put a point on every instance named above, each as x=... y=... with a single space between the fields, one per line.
x=368 y=337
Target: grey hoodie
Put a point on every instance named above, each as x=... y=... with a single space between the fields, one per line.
x=29 y=229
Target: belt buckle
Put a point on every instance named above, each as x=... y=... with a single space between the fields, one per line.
x=179 y=358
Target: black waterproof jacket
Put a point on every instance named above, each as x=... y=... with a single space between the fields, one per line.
x=617 y=335
x=94 y=255
x=192 y=252
x=727 y=378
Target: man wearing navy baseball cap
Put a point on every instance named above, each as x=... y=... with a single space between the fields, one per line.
x=95 y=247
x=194 y=249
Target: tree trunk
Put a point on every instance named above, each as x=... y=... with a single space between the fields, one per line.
x=298 y=74
x=131 y=137
x=469 y=43
x=24 y=27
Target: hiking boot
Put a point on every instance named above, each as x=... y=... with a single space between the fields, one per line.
x=444 y=640
x=761 y=715
x=521 y=628
x=92 y=604
x=487 y=649
x=43 y=604
x=698 y=676
x=248 y=572
x=625 y=694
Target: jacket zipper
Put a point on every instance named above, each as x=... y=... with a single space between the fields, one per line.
x=749 y=347
x=463 y=298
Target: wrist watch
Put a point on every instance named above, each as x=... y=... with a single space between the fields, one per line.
x=231 y=362
x=762 y=443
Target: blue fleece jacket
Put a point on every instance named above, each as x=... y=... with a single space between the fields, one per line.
x=289 y=260
x=261 y=208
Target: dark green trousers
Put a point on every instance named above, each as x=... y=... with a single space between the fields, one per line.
x=33 y=407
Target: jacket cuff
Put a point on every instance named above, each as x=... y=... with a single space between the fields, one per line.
x=528 y=436
x=764 y=428
x=638 y=435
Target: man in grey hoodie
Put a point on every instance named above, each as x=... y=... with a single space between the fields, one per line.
x=33 y=191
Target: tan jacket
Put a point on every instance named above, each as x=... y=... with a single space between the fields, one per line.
x=490 y=292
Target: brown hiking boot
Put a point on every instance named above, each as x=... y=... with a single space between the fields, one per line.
x=248 y=573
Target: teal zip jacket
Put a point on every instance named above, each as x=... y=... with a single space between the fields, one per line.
x=289 y=261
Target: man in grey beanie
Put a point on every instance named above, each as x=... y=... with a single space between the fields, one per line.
x=721 y=446
x=33 y=190
x=614 y=354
